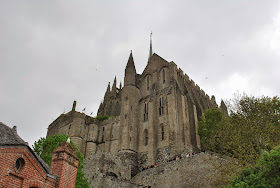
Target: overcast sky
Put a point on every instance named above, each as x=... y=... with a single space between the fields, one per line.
x=55 y=52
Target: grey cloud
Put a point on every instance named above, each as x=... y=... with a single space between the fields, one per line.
x=54 y=52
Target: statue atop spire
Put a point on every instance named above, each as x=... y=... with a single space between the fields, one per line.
x=151 y=47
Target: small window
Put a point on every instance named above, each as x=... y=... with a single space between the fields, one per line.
x=20 y=163
x=125 y=116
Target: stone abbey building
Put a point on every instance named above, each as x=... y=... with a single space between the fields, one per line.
x=154 y=117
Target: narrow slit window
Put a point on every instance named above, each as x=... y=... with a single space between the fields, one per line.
x=163 y=76
x=161 y=108
x=162 y=132
x=146 y=137
x=148 y=83
x=146 y=112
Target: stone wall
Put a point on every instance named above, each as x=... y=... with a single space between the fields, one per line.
x=109 y=171
x=199 y=170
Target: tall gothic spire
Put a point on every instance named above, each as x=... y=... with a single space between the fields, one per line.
x=130 y=67
x=151 y=47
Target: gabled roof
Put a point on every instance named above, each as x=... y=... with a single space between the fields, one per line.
x=155 y=63
x=9 y=137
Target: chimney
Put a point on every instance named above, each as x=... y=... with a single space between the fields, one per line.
x=14 y=129
x=65 y=165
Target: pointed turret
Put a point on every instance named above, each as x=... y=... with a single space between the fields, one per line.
x=114 y=88
x=130 y=72
x=223 y=107
x=151 y=47
x=107 y=94
x=130 y=67
x=120 y=85
x=100 y=109
x=114 y=84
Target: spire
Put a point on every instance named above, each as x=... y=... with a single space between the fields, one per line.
x=114 y=88
x=130 y=67
x=115 y=83
x=100 y=109
x=223 y=107
x=108 y=88
x=130 y=71
x=151 y=47
x=107 y=94
x=120 y=85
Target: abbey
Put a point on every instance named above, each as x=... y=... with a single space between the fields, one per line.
x=154 y=116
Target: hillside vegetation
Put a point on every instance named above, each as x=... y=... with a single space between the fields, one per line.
x=249 y=133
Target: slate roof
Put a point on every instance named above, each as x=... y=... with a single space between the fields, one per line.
x=9 y=137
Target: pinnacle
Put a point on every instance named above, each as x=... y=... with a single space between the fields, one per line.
x=130 y=64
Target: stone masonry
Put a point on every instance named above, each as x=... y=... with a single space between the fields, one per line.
x=154 y=116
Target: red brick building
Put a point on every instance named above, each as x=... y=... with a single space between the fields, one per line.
x=21 y=167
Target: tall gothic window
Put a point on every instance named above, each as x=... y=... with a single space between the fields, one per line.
x=146 y=112
x=163 y=76
x=161 y=109
x=162 y=132
x=148 y=83
x=146 y=137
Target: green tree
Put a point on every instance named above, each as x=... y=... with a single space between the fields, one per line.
x=265 y=174
x=252 y=127
x=209 y=127
x=44 y=147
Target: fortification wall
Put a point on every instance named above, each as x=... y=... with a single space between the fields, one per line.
x=200 y=170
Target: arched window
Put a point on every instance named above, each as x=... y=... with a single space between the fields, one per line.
x=163 y=76
x=146 y=137
x=146 y=107
x=162 y=132
x=161 y=109
x=148 y=83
